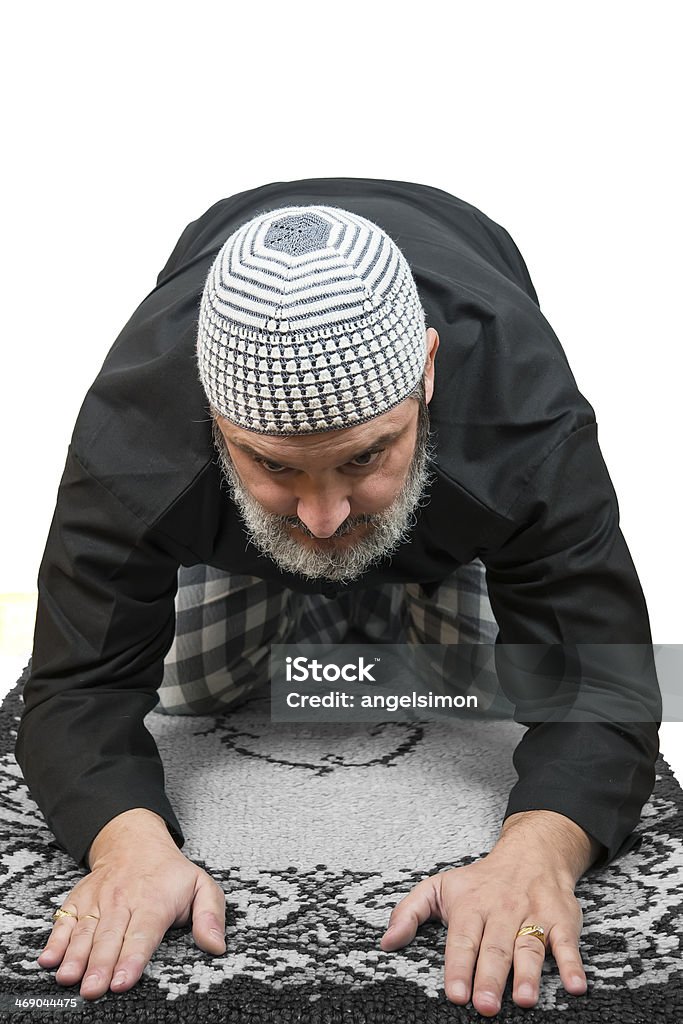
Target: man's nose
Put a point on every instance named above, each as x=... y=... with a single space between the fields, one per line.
x=323 y=512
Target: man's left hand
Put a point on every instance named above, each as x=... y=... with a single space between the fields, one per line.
x=527 y=878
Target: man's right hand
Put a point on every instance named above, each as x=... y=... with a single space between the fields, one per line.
x=139 y=886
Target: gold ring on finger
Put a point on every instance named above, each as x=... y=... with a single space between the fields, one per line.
x=63 y=913
x=532 y=929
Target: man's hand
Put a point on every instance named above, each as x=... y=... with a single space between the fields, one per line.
x=528 y=878
x=140 y=884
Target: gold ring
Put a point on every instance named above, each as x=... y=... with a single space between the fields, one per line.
x=532 y=929
x=62 y=913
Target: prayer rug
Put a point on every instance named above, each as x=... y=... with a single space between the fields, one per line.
x=314 y=833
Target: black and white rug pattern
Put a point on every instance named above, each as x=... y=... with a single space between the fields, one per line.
x=315 y=832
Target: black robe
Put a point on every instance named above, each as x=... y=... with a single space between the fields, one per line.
x=520 y=483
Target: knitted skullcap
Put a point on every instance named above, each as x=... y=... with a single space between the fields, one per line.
x=310 y=320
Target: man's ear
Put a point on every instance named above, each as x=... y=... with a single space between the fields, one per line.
x=217 y=421
x=432 y=346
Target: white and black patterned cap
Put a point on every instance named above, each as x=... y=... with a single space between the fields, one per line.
x=310 y=320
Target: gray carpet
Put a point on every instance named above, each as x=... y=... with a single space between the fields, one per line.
x=315 y=832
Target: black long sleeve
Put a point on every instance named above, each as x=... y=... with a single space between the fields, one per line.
x=105 y=621
x=565 y=577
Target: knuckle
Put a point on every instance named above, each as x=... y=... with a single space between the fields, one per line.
x=570 y=912
x=464 y=942
x=564 y=941
x=525 y=978
x=133 y=960
x=567 y=892
x=53 y=956
x=568 y=904
x=69 y=967
x=71 y=961
x=105 y=934
x=145 y=936
x=570 y=960
x=207 y=913
x=86 y=926
x=64 y=923
x=497 y=951
x=459 y=964
x=536 y=949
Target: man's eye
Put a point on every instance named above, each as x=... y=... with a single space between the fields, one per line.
x=365 y=455
x=272 y=467
x=366 y=459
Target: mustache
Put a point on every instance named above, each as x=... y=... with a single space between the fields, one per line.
x=349 y=524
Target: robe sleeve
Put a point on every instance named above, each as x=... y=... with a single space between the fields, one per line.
x=564 y=576
x=105 y=621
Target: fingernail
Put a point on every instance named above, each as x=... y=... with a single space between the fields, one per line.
x=526 y=991
x=217 y=934
x=91 y=980
x=491 y=997
x=577 y=980
x=119 y=978
x=458 y=990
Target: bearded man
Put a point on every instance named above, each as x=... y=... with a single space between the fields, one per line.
x=362 y=486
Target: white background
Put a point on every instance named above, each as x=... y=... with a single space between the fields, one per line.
x=124 y=122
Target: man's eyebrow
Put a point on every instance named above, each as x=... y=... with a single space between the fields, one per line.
x=386 y=438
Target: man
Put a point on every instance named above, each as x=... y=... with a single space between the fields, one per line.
x=323 y=305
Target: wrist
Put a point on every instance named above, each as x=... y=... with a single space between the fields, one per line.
x=570 y=845
x=129 y=828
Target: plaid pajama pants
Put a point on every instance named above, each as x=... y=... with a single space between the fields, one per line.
x=225 y=624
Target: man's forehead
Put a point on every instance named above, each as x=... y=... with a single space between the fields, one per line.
x=380 y=430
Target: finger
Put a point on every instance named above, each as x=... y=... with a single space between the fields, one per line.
x=77 y=953
x=529 y=954
x=564 y=943
x=56 y=945
x=208 y=916
x=107 y=943
x=465 y=929
x=493 y=964
x=140 y=939
x=406 y=917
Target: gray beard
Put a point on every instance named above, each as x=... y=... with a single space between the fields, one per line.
x=388 y=528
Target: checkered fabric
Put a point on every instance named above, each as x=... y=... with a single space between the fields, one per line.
x=225 y=624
